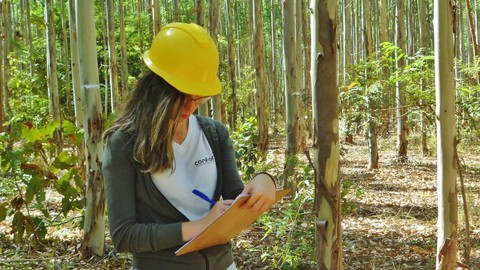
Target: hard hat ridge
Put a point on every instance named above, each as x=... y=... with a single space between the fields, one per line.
x=186 y=57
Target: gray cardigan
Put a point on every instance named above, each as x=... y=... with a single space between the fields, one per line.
x=143 y=222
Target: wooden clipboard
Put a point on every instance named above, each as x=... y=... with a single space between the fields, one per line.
x=226 y=226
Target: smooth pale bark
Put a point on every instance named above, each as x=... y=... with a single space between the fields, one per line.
x=422 y=17
x=306 y=52
x=77 y=92
x=231 y=65
x=347 y=60
x=327 y=204
x=402 y=142
x=123 y=52
x=291 y=84
x=300 y=79
x=447 y=238
x=274 y=78
x=52 y=79
x=94 y=226
x=213 y=26
x=261 y=91
x=112 y=56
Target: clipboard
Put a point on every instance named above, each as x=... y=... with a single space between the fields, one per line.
x=228 y=225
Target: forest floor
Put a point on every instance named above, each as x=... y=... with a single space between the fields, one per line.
x=389 y=221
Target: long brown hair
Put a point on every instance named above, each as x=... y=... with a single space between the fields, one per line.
x=147 y=116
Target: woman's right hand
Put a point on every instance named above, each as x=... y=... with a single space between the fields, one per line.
x=191 y=229
x=217 y=210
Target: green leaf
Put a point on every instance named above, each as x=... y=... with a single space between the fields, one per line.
x=3 y=211
x=34 y=186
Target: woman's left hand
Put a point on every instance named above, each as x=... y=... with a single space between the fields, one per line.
x=262 y=190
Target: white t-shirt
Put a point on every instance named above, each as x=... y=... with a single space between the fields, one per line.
x=195 y=168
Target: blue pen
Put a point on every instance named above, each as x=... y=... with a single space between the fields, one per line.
x=203 y=196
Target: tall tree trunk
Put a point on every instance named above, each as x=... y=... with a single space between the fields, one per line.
x=422 y=18
x=291 y=99
x=200 y=12
x=6 y=52
x=77 y=92
x=347 y=60
x=104 y=37
x=402 y=142
x=300 y=81
x=156 y=17
x=200 y=20
x=261 y=93
x=124 y=55
x=372 y=108
x=66 y=56
x=176 y=12
x=327 y=204
x=213 y=25
x=94 y=226
x=446 y=141
x=231 y=65
x=29 y=38
x=275 y=92
x=53 y=97
x=473 y=36
x=112 y=53
x=2 y=116
x=140 y=25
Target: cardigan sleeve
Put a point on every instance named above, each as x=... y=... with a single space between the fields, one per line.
x=128 y=235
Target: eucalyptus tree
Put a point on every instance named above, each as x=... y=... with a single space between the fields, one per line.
x=273 y=61
x=214 y=20
x=423 y=32
x=2 y=116
x=112 y=56
x=94 y=224
x=28 y=28
x=447 y=238
x=200 y=20
x=402 y=142
x=52 y=77
x=156 y=17
x=301 y=87
x=291 y=84
x=6 y=51
x=77 y=92
x=261 y=84
x=140 y=24
x=327 y=203
x=371 y=102
x=200 y=12
x=231 y=64
x=123 y=51
x=65 y=55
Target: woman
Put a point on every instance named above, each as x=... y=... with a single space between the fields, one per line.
x=157 y=152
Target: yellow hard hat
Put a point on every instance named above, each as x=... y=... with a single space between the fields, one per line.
x=186 y=57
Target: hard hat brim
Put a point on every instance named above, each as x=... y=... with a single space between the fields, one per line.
x=212 y=88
